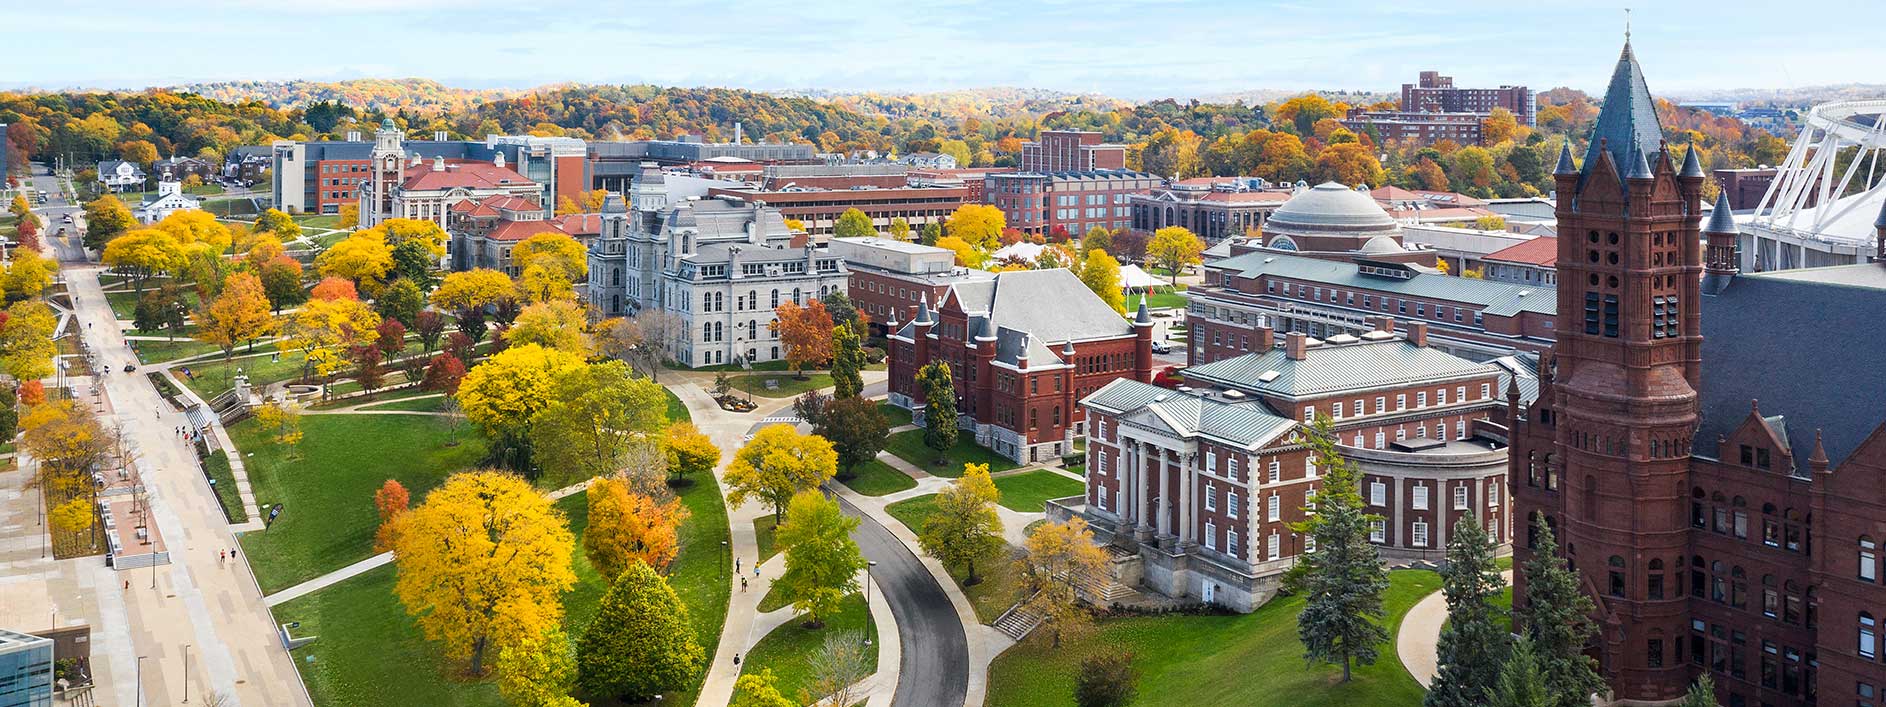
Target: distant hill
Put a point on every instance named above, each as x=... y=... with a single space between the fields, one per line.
x=999 y=102
x=1261 y=96
x=1803 y=96
x=414 y=95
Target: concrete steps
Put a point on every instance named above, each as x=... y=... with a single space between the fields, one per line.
x=1017 y=622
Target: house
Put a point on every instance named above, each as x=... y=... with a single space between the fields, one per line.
x=169 y=199
x=929 y=160
x=120 y=176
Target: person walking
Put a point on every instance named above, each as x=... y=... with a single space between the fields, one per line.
x=743 y=585
x=736 y=565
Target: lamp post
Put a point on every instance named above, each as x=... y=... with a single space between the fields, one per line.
x=723 y=559
x=186 y=672
x=140 y=682
x=868 y=566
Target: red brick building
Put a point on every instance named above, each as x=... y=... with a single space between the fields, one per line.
x=890 y=279
x=820 y=208
x=1020 y=367
x=1071 y=151
x=1707 y=444
x=1199 y=487
x=1067 y=202
x=1432 y=91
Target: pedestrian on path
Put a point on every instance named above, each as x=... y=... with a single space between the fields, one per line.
x=221 y=556
x=736 y=565
x=743 y=585
x=736 y=660
x=756 y=572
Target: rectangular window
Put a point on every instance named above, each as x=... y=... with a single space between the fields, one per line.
x=1378 y=530
x=1420 y=533
x=1378 y=493
x=1274 y=472
x=1231 y=542
x=1420 y=497
x=1211 y=535
x=1460 y=393
x=1211 y=497
x=1273 y=508
x=1231 y=504
x=1309 y=468
x=1440 y=397
x=1460 y=497
x=1231 y=468
x=1381 y=405
x=1486 y=390
x=1401 y=401
x=1359 y=411
x=1421 y=399
x=1211 y=462
x=1335 y=410
x=1493 y=494
x=1272 y=546
x=1309 y=414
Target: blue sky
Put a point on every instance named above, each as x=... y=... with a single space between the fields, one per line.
x=1129 y=48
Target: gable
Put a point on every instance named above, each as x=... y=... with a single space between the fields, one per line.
x=1757 y=444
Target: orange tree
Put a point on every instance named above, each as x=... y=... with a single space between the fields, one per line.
x=806 y=332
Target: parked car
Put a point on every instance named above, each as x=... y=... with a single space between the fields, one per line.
x=1162 y=347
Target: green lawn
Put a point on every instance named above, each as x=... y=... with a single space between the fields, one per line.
x=997 y=588
x=384 y=394
x=764 y=531
x=327 y=486
x=677 y=410
x=912 y=511
x=370 y=653
x=212 y=377
x=1158 y=300
x=788 y=650
x=410 y=404
x=893 y=415
x=909 y=445
x=160 y=351
x=1028 y=492
x=1183 y=660
x=125 y=304
x=788 y=386
x=217 y=466
x=328 y=221
x=876 y=478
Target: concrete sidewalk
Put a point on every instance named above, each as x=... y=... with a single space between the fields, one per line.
x=1419 y=640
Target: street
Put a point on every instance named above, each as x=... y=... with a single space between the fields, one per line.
x=934 y=670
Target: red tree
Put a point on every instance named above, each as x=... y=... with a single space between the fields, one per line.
x=392 y=338
x=392 y=501
x=444 y=374
x=335 y=288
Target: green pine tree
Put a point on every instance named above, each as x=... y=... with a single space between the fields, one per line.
x=1558 y=621
x=1343 y=580
x=939 y=407
x=847 y=362
x=1472 y=642
x=1702 y=693
x=1520 y=683
x=641 y=643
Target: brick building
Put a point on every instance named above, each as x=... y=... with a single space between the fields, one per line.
x=1199 y=486
x=1020 y=367
x=318 y=176
x=1415 y=127
x=1432 y=91
x=483 y=232
x=1708 y=443
x=890 y=279
x=1067 y=202
x=1532 y=262
x=1071 y=151
x=1215 y=209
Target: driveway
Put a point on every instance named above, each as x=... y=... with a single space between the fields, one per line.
x=935 y=666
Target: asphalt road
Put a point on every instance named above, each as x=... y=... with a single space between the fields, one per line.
x=935 y=668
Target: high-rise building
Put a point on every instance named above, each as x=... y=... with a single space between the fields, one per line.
x=1433 y=92
x=1071 y=151
x=25 y=670
x=1707 y=444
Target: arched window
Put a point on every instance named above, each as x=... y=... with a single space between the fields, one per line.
x=1718 y=584
x=796 y=298
x=1868 y=636
x=1699 y=518
x=1617 y=575
x=1771 y=597
x=775 y=299
x=1654 y=582
x=1869 y=560
x=1740 y=526
x=1720 y=510
x=1738 y=588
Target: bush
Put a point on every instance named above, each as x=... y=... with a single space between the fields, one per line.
x=1106 y=680
x=216 y=467
x=874 y=355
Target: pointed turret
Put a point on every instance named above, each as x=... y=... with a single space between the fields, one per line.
x=1566 y=166
x=1142 y=317
x=1818 y=461
x=1879 y=235
x=1722 y=218
x=1641 y=168
x=1692 y=167
x=923 y=312
x=1627 y=126
x=1719 y=244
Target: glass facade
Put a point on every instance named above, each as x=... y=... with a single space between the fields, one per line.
x=25 y=670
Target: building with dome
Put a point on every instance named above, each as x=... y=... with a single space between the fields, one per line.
x=1332 y=221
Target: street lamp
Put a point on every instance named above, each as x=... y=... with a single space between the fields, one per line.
x=186 y=672
x=868 y=566
x=723 y=559
x=140 y=681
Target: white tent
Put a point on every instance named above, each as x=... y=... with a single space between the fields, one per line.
x=1133 y=278
x=1023 y=251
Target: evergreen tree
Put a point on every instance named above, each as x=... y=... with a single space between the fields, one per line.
x=1472 y=642
x=1106 y=680
x=1702 y=693
x=1520 y=683
x=939 y=407
x=847 y=362
x=640 y=644
x=1558 y=622
x=1343 y=579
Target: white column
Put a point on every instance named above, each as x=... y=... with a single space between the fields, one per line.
x=1144 y=486
x=1188 y=490
x=1165 y=494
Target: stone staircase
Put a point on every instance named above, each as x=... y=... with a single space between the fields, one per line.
x=1102 y=590
x=1017 y=622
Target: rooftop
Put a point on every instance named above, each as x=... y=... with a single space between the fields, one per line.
x=1331 y=206
x=1542 y=252
x=1336 y=368
x=1496 y=298
x=1241 y=423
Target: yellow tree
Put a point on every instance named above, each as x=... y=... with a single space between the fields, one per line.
x=538 y=672
x=29 y=274
x=598 y=416
x=145 y=252
x=1173 y=248
x=324 y=329
x=965 y=526
x=1101 y=274
x=555 y=324
x=465 y=292
x=282 y=422
x=198 y=229
x=482 y=564
x=979 y=225
x=1348 y=163
x=567 y=206
x=549 y=264
x=240 y=313
x=593 y=200
x=689 y=450
x=625 y=526
x=26 y=347
x=777 y=463
x=350 y=215
x=967 y=255
x=505 y=394
x=427 y=234
x=806 y=332
x=363 y=257
x=1059 y=557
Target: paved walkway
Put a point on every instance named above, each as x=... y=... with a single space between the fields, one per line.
x=1419 y=640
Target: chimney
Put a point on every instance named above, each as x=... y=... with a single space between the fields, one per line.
x=1266 y=339
x=438 y=136
x=498 y=159
x=438 y=164
x=1383 y=323
x=1296 y=345
x=1418 y=333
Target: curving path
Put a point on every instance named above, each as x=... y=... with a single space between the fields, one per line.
x=1419 y=640
x=933 y=670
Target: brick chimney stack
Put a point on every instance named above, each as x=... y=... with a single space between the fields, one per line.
x=1266 y=339
x=1383 y=323
x=1418 y=333
x=1296 y=345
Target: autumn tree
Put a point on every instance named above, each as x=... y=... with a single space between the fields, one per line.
x=466 y=295
x=538 y=671
x=641 y=642
x=965 y=526
x=281 y=421
x=939 y=407
x=1173 y=248
x=856 y=428
x=281 y=225
x=1101 y=275
x=759 y=689
x=806 y=332
x=29 y=274
x=626 y=527
x=967 y=254
x=334 y=288
x=979 y=225
x=443 y=374
x=595 y=413
x=822 y=561
x=1349 y=164
x=363 y=257
x=349 y=216
x=853 y=224
x=369 y=365
x=548 y=266
x=281 y=281
x=1342 y=582
x=1499 y=126
x=428 y=326
x=1172 y=153
x=1058 y=557
x=504 y=396
x=392 y=502
x=105 y=218
x=567 y=206
x=240 y=313
x=690 y=452
x=776 y=464
x=899 y=229
x=26 y=345
x=482 y=563
x=553 y=324
x=848 y=360
x=401 y=301
x=143 y=253
x=325 y=330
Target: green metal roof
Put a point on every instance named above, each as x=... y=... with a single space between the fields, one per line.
x=1494 y=298
x=1329 y=369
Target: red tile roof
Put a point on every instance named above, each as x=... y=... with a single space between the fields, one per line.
x=1543 y=252
x=581 y=224
x=573 y=225
x=470 y=175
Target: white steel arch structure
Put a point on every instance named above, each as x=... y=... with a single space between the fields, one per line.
x=1804 y=210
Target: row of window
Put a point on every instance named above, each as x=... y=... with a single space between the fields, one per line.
x=1787 y=530
x=1337 y=409
x=1378 y=495
x=1348 y=298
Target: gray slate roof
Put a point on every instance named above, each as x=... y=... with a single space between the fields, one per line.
x=1244 y=424
x=1329 y=369
x=1495 y=298
x=1627 y=125
x=1051 y=305
x=1800 y=342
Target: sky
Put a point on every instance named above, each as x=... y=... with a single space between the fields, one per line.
x=1134 y=49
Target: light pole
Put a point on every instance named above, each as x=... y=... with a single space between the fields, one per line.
x=723 y=559
x=186 y=672
x=868 y=566
x=140 y=684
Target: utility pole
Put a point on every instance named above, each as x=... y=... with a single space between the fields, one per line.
x=186 y=673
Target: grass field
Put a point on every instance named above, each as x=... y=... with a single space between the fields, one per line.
x=764 y=532
x=1183 y=660
x=125 y=304
x=161 y=351
x=412 y=404
x=1028 y=492
x=912 y=511
x=997 y=589
x=217 y=466
x=909 y=445
x=876 y=478
x=894 y=416
x=212 y=377
x=329 y=221
x=1158 y=300
x=326 y=486
x=677 y=410
x=370 y=653
x=787 y=650
x=789 y=387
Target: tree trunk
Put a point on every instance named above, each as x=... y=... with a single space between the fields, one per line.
x=972 y=578
x=478 y=656
x=1345 y=668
